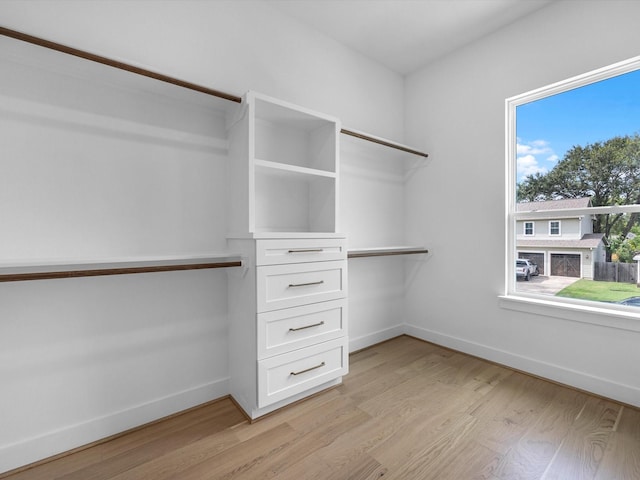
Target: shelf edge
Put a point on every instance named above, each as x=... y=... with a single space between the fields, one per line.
x=295 y=169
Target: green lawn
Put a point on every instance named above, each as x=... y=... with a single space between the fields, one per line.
x=599 y=291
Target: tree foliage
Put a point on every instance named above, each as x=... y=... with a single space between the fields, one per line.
x=624 y=248
x=608 y=172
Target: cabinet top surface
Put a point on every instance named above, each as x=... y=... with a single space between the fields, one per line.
x=279 y=111
x=266 y=235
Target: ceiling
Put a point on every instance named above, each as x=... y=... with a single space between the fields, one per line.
x=405 y=35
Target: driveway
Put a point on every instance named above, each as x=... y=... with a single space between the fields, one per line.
x=545 y=285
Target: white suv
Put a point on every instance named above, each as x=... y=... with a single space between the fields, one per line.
x=525 y=268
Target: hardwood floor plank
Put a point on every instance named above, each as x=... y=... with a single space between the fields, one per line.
x=532 y=454
x=487 y=378
x=505 y=414
x=217 y=417
x=327 y=416
x=247 y=430
x=478 y=463
x=622 y=457
x=350 y=446
x=170 y=464
x=179 y=435
x=466 y=369
x=312 y=467
x=313 y=436
x=395 y=414
x=238 y=461
x=583 y=448
x=426 y=431
x=381 y=375
x=425 y=460
x=360 y=468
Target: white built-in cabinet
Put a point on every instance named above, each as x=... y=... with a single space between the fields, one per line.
x=288 y=304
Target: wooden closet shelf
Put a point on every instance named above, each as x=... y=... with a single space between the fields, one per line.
x=53 y=270
x=385 y=251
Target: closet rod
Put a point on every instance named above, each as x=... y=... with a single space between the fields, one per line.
x=116 y=64
x=386 y=252
x=17 y=277
x=175 y=81
x=386 y=143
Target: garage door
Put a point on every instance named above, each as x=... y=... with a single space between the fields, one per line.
x=565 y=265
x=537 y=258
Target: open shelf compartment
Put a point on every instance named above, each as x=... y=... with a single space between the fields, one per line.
x=289 y=201
x=294 y=136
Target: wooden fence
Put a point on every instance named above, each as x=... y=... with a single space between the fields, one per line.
x=615 y=272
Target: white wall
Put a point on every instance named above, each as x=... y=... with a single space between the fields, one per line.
x=372 y=187
x=456 y=107
x=85 y=358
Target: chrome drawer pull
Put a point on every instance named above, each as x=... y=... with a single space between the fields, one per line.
x=308 y=369
x=291 y=285
x=306 y=250
x=308 y=326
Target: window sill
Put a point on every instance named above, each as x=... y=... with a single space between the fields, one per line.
x=574 y=310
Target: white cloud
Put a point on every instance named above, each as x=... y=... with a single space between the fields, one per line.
x=536 y=147
x=528 y=165
x=531 y=156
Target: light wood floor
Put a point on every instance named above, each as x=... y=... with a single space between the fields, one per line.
x=407 y=410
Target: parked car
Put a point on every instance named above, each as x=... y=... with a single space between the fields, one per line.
x=526 y=269
x=635 y=301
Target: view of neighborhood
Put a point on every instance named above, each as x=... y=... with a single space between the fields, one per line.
x=555 y=252
x=564 y=246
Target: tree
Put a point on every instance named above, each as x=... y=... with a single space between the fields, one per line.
x=608 y=172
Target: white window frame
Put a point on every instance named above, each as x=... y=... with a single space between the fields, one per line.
x=533 y=229
x=599 y=313
x=551 y=234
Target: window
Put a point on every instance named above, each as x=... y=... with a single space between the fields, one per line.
x=573 y=162
x=528 y=228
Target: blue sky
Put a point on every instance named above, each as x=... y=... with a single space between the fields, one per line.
x=548 y=128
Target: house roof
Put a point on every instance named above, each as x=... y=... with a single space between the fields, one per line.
x=582 y=202
x=589 y=240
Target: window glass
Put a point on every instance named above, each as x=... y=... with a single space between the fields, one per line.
x=574 y=168
x=528 y=228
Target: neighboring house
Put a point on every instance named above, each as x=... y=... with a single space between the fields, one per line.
x=563 y=245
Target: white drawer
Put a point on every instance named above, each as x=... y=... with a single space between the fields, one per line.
x=284 y=286
x=285 y=375
x=299 y=250
x=282 y=331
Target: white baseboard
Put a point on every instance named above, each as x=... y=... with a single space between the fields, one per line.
x=369 y=339
x=52 y=443
x=583 y=381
